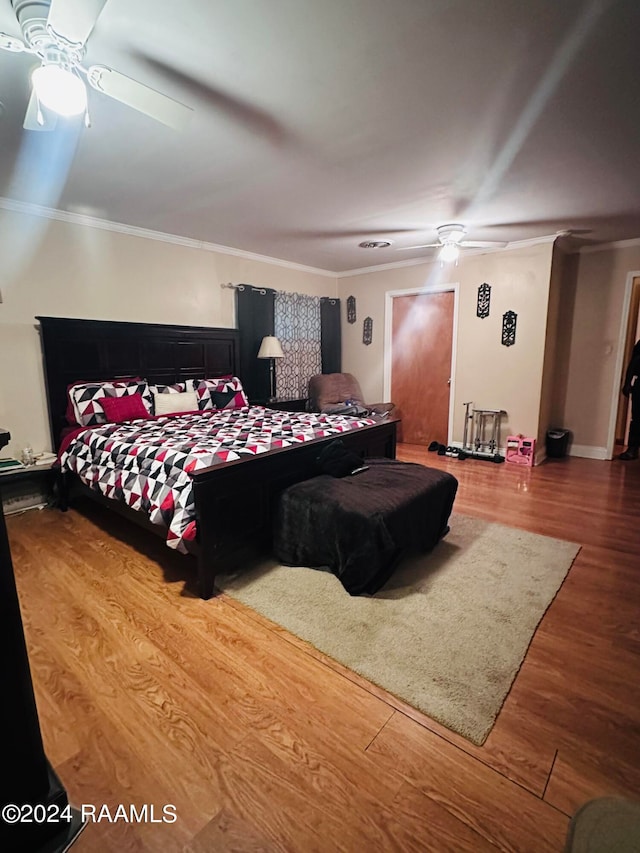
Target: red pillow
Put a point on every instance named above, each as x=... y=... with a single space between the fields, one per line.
x=120 y=409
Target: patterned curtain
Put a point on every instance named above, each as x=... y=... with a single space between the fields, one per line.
x=297 y=326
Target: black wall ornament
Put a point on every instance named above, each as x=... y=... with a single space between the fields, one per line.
x=367 y=331
x=509 y=320
x=484 y=300
x=351 y=309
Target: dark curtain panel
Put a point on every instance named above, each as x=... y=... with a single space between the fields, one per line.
x=331 y=335
x=255 y=320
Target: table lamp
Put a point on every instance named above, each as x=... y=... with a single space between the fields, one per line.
x=270 y=348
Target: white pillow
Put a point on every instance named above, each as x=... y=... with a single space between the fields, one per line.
x=169 y=404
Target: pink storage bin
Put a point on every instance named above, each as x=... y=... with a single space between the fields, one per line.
x=521 y=450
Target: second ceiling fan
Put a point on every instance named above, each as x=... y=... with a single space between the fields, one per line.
x=451 y=240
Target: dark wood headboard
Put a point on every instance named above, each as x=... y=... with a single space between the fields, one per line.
x=88 y=350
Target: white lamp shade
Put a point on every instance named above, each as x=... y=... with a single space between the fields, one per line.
x=270 y=348
x=60 y=90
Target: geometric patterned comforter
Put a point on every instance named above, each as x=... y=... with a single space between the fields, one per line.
x=147 y=463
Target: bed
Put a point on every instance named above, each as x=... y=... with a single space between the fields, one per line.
x=234 y=501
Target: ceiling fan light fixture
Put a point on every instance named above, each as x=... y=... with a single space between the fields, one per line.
x=60 y=90
x=449 y=253
x=452 y=233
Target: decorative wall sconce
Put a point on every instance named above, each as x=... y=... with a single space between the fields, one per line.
x=484 y=300
x=509 y=320
x=367 y=331
x=351 y=309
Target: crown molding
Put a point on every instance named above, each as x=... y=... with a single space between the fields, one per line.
x=147 y=234
x=531 y=241
x=30 y=209
x=412 y=262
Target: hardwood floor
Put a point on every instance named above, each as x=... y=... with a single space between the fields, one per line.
x=147 y=694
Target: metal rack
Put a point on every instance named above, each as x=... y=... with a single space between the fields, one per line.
x=482 y=433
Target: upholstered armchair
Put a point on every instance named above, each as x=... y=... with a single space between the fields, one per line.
x=329 y=391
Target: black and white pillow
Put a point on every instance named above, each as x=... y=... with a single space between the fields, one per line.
x=226 y=392
x=176 y=388
x=85 y=398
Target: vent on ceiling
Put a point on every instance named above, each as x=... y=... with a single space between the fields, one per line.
x=374 y=244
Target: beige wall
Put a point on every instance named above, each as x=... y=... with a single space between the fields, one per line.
x=593 y=378
x=563 y=367
x=54 y=268
x=492 y=375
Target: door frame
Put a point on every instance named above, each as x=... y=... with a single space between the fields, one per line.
x=390 y=295
x=620 y=366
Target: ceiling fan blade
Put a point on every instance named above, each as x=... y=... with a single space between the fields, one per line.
x=13 y=45
x=423 y=246
x=31 y=118
x=482 y=244
x=239 y=110
x=160 y=107
x=73 y=20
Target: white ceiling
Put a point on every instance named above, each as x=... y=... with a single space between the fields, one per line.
x=322 y=123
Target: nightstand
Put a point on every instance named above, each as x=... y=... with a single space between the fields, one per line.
x=284 y=404
x=28 y=487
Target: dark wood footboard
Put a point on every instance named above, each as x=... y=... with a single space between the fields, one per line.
x=235 y=502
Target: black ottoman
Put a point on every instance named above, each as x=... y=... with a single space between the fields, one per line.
x=358 y=526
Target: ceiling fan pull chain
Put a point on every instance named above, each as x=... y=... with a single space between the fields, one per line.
x=87 y=118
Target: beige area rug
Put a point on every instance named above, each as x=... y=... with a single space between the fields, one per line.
x=449 y=631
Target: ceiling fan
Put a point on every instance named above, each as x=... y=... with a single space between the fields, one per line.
x=56 y=31
x=451 y=240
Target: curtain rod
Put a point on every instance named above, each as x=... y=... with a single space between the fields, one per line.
x=231 y=286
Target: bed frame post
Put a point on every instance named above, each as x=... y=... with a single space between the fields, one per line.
x=206 y=576
x=61 y=490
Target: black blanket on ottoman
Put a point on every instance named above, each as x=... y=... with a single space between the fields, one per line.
x=358 y=526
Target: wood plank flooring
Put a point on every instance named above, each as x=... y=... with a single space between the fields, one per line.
x=147 y=694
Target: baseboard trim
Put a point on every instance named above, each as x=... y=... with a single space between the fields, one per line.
x=588 y=451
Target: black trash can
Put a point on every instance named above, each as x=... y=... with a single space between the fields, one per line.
x=557 y=441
